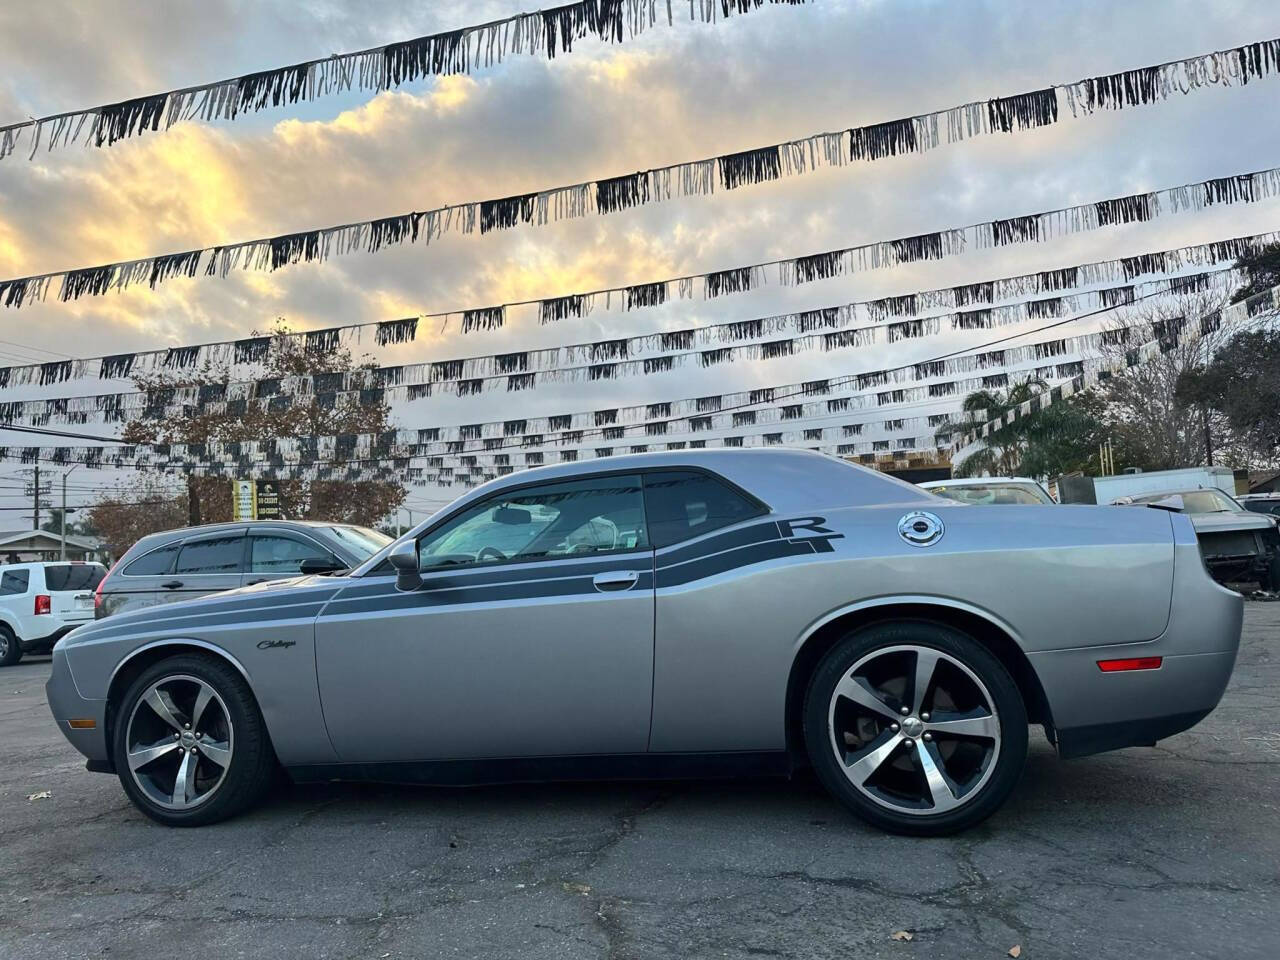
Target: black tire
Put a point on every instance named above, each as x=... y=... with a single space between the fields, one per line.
x=10 y=647
x=253 y=762
x=1005 y=699
x=1271 y=581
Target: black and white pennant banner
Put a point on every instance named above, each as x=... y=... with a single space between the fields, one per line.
x=1162 y=338
x=544 y=32
x=277 y=252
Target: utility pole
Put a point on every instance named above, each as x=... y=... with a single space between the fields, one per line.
x=62 y=547
x=1208 y=440
x=35 y=500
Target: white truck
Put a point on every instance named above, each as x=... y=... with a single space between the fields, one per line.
x=40 y=603
x=1111 y=489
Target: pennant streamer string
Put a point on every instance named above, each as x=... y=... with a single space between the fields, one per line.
x=373 y=70
x=276 y=252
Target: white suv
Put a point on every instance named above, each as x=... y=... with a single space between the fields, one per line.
x=42 y=602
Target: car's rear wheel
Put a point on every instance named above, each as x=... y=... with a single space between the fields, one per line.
x=189 y=742
x=915 y=727
x=10 y=647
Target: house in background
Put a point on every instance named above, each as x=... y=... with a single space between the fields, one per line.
x=21 y=546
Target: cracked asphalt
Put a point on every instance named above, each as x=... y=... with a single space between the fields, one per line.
x=1165 y=852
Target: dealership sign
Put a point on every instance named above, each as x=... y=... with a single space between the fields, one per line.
x=255 y=500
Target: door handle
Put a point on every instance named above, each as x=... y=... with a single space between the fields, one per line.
x=172 y=585
x=615 y=580
x=250 y=583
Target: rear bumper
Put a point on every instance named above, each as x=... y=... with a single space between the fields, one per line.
x=30 y=644
x=66 y=704
x=1095 y=711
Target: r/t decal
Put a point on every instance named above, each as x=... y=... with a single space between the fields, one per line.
x=821 y=543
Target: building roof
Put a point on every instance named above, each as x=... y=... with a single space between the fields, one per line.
x=10 y=538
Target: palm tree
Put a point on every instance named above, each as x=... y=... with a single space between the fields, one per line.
x=1003 y=450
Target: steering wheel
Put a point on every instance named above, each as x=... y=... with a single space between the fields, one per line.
x=494 y=552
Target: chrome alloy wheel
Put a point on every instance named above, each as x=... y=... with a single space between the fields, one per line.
x=179 y=742
x=914 y=730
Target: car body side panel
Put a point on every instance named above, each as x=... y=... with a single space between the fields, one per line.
x=726 y=641
x=504 y=660
x=269 y=630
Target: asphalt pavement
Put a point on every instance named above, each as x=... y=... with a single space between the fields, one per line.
x=1165 y=852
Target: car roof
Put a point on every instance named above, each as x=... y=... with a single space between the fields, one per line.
x=27 y=564
x=181 y=532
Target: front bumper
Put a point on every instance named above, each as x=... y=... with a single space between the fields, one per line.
x=1095 y=711
x=66 y=704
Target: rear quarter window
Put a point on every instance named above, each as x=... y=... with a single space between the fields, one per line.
x=73 y=576
x=157 y=563
x=14 y=582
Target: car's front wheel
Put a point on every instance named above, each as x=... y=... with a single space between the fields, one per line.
x=189 y=742
x=10 y=647
x=916 y=727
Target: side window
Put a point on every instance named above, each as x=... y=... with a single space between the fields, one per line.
x=157 y=563
x=214 y=555
x=578 y=518
x=282 y=554
x=682 y=505
x=14 y=581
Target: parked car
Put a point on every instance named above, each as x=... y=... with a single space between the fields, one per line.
x=1237 y=544
x=40 y=603
x=1016 y=490
x=196 y=561
x=1268 y=503
x=673 y=614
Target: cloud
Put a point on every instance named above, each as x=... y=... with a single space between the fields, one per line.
x=677 y=94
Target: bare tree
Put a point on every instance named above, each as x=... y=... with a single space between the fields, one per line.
x=1156 y=429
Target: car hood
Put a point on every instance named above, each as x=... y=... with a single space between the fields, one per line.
x=1222 y=522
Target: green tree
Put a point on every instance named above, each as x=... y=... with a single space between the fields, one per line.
x=1261 y=269
x=1002 y=452
x=1242 y=382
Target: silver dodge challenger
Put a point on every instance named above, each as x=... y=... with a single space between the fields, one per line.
x=691 y=613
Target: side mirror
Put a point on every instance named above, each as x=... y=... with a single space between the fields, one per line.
x=404 y=558
x=317 y=565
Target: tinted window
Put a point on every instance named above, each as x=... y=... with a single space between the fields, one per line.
x=215 y=555
x=584 y=517
x=157 y=563
x=73 y=576
x=282 y=554
x=14 y=581
x=682 y=505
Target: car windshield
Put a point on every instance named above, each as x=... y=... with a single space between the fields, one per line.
x=983 y=493
x=361 y=541
x=1197 y=501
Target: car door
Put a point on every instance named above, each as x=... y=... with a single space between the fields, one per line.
x=530 y=635
x=205 y=564
x=279 y=554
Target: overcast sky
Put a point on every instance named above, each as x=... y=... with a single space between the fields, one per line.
x=678 y=93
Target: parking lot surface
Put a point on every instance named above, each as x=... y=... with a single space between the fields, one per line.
x=1165 y=852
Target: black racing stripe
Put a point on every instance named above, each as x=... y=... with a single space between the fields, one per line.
x=508 y=573
x=487 y=593
x=744 y=536
x=674 y=576
x=204 y=619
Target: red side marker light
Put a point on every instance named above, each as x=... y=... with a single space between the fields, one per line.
x=1135 y=663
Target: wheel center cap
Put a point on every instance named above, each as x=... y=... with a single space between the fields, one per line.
x=912 y=727
x=188 y=739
